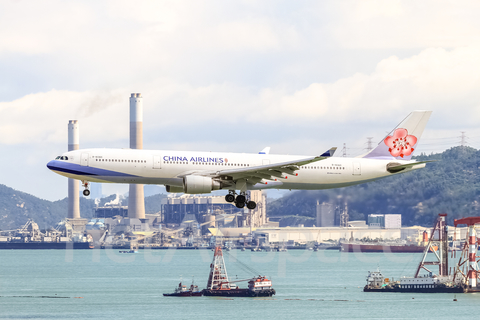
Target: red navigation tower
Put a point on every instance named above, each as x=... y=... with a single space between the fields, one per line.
x=471 y=243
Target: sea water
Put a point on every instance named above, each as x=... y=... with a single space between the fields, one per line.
x=106 y=284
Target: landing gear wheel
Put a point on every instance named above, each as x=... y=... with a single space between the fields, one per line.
x=251 y=205
x=229 y=197
x=86 y=185
x=240 y=205
x=240 y=198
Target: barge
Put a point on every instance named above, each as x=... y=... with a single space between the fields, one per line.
x=220 y=286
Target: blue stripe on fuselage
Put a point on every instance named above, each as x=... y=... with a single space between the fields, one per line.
x=77 y=169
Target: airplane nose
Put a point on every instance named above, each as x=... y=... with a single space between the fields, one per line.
x=50 y=165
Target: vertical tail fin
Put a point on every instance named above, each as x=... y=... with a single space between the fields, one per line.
x=402 y=141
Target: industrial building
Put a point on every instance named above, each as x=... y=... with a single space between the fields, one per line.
x=387 y=221
x=179 y=208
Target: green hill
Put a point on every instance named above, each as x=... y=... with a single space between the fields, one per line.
x=450 y=185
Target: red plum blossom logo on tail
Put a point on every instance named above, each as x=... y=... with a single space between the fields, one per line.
x=400 y=144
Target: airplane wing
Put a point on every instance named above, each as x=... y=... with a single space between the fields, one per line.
x=269 y=172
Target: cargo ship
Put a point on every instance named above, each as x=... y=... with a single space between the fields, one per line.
x=462 y=279
x=219 y=285
x=380 y=247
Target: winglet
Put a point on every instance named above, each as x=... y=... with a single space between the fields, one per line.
x=329 y=153
x=265 y=151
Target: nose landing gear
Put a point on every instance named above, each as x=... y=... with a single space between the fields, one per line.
x=86 y=185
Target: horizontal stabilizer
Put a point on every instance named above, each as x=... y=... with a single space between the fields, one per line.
x=394 y=167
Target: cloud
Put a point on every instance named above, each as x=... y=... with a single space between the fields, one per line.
x=406 y=24
x=434 y=79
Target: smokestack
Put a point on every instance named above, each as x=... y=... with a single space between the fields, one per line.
x=136 y=199
x=73 y=185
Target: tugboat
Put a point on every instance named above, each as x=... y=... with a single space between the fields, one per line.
x=219 y=285
x=183 y=291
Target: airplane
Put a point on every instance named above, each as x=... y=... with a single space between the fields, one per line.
x=195 y=172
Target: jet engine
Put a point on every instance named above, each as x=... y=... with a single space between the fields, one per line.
x=198 y=184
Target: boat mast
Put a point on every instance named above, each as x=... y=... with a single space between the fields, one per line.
x=218 y=272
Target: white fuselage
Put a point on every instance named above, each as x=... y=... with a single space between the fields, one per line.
x=169 y=167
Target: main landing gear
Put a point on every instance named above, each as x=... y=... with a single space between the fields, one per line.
x=240 y=200
x=86 y=185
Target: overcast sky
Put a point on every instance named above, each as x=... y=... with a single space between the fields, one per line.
x=237 y=76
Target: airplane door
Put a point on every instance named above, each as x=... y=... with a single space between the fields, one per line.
x=356 y=168
x=157 y=162
x=84 y=159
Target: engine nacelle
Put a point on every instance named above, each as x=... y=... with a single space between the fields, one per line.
x=174 y=189
x=198 y=184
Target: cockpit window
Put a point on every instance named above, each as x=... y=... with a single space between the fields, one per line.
x=61 y=158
